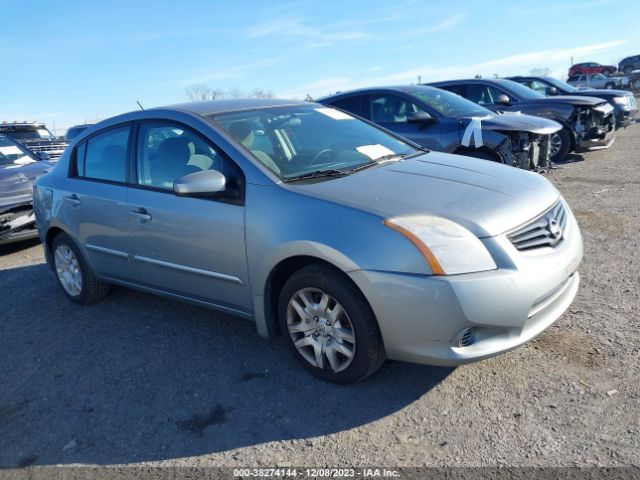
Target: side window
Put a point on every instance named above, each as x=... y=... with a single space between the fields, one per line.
x=457 y=89
x=104 y=156
x=573 y=78
x=169 y=151
x=538 y=86
x=390 y=108
x=484 y=94
x=350 y=104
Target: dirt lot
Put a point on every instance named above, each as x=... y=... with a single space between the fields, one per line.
x=144 y=379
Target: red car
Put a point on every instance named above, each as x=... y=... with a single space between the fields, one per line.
x=591 y=67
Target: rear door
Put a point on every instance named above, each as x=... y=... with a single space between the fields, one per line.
x=94 y=202
x=187 y=246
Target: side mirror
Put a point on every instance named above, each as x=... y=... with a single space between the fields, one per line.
x=552 y=91
x=200 y=184
x=419 y=117
x=502 y=99
x=43 y=155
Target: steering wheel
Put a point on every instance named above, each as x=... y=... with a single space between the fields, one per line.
x=320 y=154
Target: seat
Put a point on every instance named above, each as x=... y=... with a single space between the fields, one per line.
x=171 y=162
x=242 y=131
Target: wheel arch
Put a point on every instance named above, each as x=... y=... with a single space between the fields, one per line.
x=268 y=322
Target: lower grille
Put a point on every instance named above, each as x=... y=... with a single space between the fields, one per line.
x=547 y=230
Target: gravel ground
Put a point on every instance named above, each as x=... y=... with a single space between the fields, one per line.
x=138 y=378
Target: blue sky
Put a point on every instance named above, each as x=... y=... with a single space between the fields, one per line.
x=67 y=62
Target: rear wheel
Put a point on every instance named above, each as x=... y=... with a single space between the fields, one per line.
x=607 y=72
x=75 y=277
x=628 y=69
x=329 y=325
x=609 y=85
x=560 y=145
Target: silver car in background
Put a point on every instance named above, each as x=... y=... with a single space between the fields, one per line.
x=355 y=244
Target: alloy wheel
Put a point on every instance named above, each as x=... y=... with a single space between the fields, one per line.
x=68 y=270
x=556 y=144
x=321 y=330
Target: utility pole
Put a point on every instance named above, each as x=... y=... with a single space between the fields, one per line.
x=419 y=79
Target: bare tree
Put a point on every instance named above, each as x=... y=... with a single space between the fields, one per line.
x=202 y=92
x=540 y=72
x=260 y=93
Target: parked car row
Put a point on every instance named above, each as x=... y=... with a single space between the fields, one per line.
x=626 y=65
x=346 y=224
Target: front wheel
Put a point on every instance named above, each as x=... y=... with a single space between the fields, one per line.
x=560 y=145
x=329 y=325
x=75 y=277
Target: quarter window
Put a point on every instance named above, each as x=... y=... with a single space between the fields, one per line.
x=104 y=156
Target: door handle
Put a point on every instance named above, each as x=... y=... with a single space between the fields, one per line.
x=141 y=214
x=72 y=199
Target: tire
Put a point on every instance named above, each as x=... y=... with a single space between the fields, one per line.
x=564 y=145
x=609 y=85
x=354 y=329
x=74 y=276
x=607 y=73
x=628 y=69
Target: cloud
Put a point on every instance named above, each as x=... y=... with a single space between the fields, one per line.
x=509 y=65
x=448 y=23
x=296 y=29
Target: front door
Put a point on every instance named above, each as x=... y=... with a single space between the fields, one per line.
x=191 y=247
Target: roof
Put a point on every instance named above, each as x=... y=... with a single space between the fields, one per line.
x=396 y=88
x=217 y=106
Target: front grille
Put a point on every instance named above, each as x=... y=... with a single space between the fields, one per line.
x=547 y=230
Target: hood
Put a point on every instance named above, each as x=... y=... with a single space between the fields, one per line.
x=517 y=122
x=485 y=197
x=602 y=93
x=16 y=182
x=575 y=100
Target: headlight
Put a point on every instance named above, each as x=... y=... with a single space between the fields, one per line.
x=620 y=100
x=447 y=247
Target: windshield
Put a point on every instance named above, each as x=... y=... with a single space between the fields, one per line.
x=12 y=154
x=297 y=140
x=560 y=84
x=524 y=93
x=30 y=134
x=449 y=104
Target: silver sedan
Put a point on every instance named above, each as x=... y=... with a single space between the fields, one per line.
x=354 y=243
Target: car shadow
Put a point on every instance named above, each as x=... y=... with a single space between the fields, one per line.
x=9 y=248
x=141 y=378
x=570 y=158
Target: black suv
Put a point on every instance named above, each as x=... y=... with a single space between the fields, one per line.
x=623 y=102
x=629 y=64
x=588 y=122
x=36 y=137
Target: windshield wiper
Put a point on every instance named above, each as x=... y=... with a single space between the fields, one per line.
x=319 y=174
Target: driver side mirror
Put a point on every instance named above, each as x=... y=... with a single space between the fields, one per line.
x=502 y=99
x=552 y=91
x=419 y=117
x=200 y=184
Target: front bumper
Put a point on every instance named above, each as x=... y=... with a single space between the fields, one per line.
x=625 y=116
x=17 y=223
x=421 y=317
x=599 y=141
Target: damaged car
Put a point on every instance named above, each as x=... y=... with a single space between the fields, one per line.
x=625 y=107
x=19 y=168
x=442 y=121
x=588 y=122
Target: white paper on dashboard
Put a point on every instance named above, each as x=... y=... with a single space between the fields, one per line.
x=10 y=150
x=374 y=151
x=335 y=114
